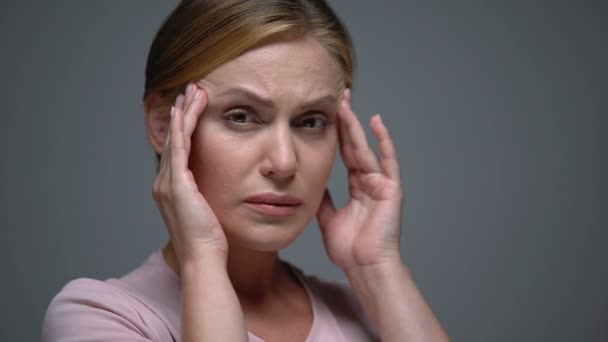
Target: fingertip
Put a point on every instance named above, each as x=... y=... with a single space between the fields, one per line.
x=200 y=94
x=347 y=94
x=179 y=101
x=346 y=109
x=376 y=121
x=343 y=109
x=345 y=97
x=177 y=117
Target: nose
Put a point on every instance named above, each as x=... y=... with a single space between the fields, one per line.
x=280 y=157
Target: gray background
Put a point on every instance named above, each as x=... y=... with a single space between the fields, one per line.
x=498 y=109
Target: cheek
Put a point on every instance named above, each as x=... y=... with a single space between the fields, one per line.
x=329 y=152
x=216 y=164
x=222 y=165
x=319 y=162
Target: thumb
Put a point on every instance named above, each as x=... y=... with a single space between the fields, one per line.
x=326 y=210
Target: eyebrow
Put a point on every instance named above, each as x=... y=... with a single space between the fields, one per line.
x=323 y=101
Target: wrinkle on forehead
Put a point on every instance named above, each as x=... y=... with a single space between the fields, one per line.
x=286 y=71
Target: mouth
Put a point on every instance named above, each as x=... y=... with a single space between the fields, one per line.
x=271 y=204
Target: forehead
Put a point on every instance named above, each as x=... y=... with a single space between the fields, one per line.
x=295 y=68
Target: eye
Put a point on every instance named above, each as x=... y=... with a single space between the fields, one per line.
x=241 y=117
x=237 y=117
x=316 y=122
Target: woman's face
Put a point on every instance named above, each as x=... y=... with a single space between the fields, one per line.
x=265 y=145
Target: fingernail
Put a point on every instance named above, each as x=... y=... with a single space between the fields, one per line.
x=179 y=101
x=189 y=89
x=347 y=104
x=347 y=94
x=197 y=94
x=172 y=111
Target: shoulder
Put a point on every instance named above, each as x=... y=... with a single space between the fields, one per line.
x=89 y=295
x=88 y=309
x=130 y=308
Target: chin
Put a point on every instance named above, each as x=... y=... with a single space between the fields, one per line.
x=264 y=238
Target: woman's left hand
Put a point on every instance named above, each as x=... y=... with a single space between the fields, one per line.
x=366 y=232
x=363 y=237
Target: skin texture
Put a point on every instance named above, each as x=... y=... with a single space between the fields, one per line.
x=242 y=147
x=223 y=147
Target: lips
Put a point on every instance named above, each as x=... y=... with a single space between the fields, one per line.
x=273 y=204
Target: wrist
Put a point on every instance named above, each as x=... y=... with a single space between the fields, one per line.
x=374 y=284
x=178 y=258
x=379 y=269
x=197 y=252
x=198 y=261
x=377 y=274
x=394 y=304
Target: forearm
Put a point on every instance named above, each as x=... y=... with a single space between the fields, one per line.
x=210 y=308
x=394 y=303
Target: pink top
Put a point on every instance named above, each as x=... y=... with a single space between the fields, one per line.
x=144 y=305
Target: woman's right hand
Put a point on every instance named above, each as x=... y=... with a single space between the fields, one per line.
x=196 y=234
x=192 y=225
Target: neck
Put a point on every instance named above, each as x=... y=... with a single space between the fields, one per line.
x=254 y=275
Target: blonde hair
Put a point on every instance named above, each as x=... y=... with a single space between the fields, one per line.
x=200 y=35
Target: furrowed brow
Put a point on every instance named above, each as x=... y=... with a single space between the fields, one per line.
x=326 y=101
x=247 y=94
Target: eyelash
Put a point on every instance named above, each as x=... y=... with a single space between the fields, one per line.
x=231 y=114
x=323 y=122
x=320 y=119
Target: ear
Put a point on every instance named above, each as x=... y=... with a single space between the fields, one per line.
x=157 y=121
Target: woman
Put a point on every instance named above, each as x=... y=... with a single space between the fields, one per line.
x=246 y=105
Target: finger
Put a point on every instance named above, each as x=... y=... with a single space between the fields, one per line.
x=165 y=155
x=345 y=146
x=326 y=210
x=179 y=101
x=388 y=153
x=162 y=178
x=344 y=104
x=363 y=157
x=189 y=95
x=177 y=148
x=194 y=111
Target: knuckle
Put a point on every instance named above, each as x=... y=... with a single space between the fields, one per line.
x=156 y=188
x=160 y=190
